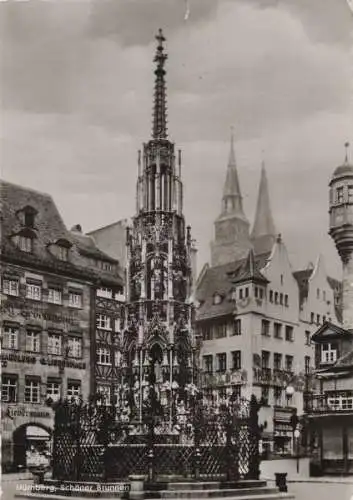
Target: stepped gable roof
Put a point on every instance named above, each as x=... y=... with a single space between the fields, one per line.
x=302 y=276
x=220 y=280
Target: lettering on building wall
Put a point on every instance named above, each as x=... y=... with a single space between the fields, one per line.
x=34 y=313
x=22 y=411
x=24 y=358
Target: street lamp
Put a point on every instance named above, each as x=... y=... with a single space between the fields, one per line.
x=297 y=436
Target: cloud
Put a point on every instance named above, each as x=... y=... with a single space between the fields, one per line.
x=77 y=97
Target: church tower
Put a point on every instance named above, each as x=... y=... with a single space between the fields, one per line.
x=158 y=342
x=263 y=235
x=231 y=241
x=341 y=230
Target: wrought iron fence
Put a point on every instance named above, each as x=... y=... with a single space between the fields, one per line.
x=96 y=442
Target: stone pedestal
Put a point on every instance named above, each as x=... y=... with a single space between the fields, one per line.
x=136 y=487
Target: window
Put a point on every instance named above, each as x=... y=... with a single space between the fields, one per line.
x=62 y=253
x=10 y=286
x=103 y=356
x=277 y=361
x=9 y=388
x=10 y=337
x=340 y=402
x=312 y=318
x=25 y=243
x=103 y=322
x=281 y=279
x=53 y=390
x=265 y=394
x=271 y=296
x=54 y=343
x=75 y=299
x=318 y=319
x=265 y=359
x=276 y=297
x=256 y=292
x=307 y=337
x=208 y=363
x=104 y=392
x=240 y=293
x=237 y=327
x=236 y=360
x=75 y=347
x=277 y=330
x=278 y=394
x=32 y=341
x=29 y=217
x=324 y=319
x=207 y=332
x=217 y=299
x=106 y=293
x=339 y=195
x=350 y=194
x=289 y=333
x=54 y=296
x=281 y=299
x=222 y=362
x=32 y=390
x=265 y=327
x=307 y=364
x=289 y=363
x=236 y=394
x=324 y=294
x=286 y=300
x=220 y=330
x=117 y=358
x=246 y=292
x=73 y=390
x=33 y=291
x=328 y=353
x=261 y=293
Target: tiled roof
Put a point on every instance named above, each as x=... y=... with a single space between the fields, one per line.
x=220 y=280
x=346 y=360
x=249 y=271
x=48 y=229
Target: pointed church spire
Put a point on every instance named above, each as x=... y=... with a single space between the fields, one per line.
x=232 y=202
x=160 y=106
x=264 y=232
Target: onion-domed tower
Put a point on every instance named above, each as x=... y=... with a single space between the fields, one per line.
x=158 y=342
x=341 y=230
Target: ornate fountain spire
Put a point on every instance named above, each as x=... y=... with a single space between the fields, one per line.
x=160 y=107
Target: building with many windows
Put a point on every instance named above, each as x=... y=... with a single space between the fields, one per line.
x=256 y=315
x=49 y=281
x=330 y=408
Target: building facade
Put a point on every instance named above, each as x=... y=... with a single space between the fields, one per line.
x=330 y=409
x=256 y=318
x=48 y=304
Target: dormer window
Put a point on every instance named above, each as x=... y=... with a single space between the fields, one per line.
x=25 y=244
x=217 y=298
x=27 y=216
x=328 y=353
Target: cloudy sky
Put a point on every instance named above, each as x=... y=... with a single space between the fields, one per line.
x=77 y=81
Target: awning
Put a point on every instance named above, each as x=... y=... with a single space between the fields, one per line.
x=35 y=432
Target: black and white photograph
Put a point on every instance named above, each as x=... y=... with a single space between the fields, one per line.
x=176 y=242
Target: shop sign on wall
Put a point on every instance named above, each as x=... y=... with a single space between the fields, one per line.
x=12 y=412
x=25 y=358
x=29 y=312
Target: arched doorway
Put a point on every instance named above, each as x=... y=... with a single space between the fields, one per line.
x=32 y=445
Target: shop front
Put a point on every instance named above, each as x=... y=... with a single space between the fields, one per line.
x=26 y=436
